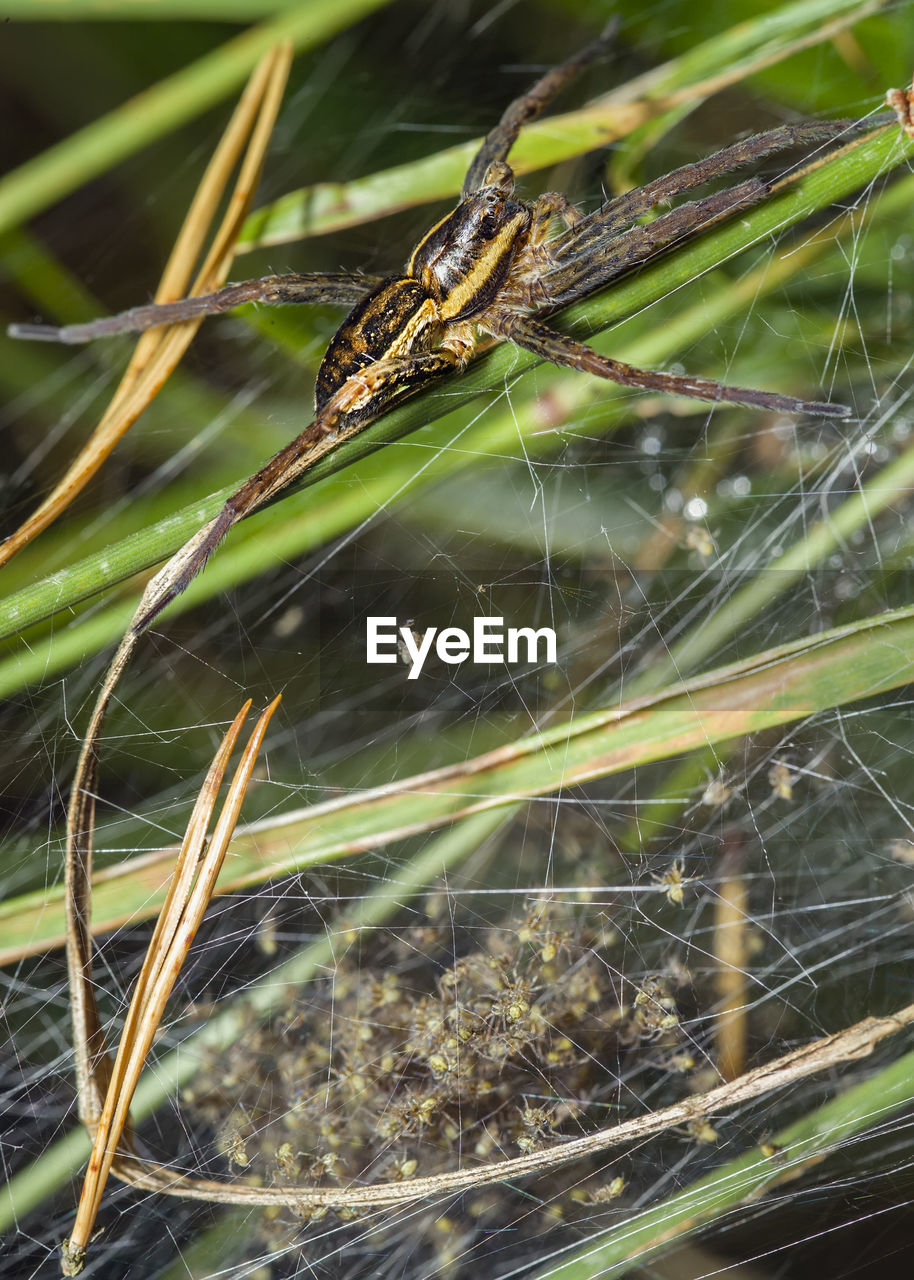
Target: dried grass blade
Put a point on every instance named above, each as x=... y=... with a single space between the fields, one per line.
x=188 y=897
x=144 y=376
x=158 y=351
x=850 y=1045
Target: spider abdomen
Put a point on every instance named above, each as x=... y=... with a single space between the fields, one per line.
x=392 y=320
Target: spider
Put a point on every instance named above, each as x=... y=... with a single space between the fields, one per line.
x=674 y=881
x=491 y=268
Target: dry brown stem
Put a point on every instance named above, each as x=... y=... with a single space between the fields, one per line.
x=850 y=1045
x=731 y=923
x=156 y=355
x=188 y=897
x=159 y=350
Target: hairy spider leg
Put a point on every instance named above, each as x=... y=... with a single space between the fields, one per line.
x=360 y=400
x=499 y=141
x=576 y=278
x=583 y=256
x=547 y=207
x=345 y=288
x=560 y=349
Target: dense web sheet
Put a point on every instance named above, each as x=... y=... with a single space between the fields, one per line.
x=417 y=1003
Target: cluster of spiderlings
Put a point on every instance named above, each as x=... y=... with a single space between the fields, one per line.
x=426 y=1059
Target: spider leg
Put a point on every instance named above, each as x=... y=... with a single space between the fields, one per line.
x=619 y=213
x=345 y=288
x=595 y=266
x=359 y=401
x=562 y=350
x=499 y=141
x=547 y=207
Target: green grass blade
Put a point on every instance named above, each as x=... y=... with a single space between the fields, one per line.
x=149 y=10
x=151 y=114
x=751 y=45
x=776 y=687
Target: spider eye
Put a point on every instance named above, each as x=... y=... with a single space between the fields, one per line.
x=492 y=218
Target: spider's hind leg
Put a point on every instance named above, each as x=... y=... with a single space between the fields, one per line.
x=560 y=349
x=359 y=401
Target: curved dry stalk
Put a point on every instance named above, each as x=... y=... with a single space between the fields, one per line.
x=850 y=1045
x=155 y=357
x=181 y=914
x=159 y=351
x=189 y=894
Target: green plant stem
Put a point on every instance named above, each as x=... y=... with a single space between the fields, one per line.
x=778 y=686
x=685 y=81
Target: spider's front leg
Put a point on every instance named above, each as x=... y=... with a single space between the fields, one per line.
x=546 y=208
x=361 y=400
x=566 y=278
x=499 y=141
x=601 y=245
x=560 y=349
